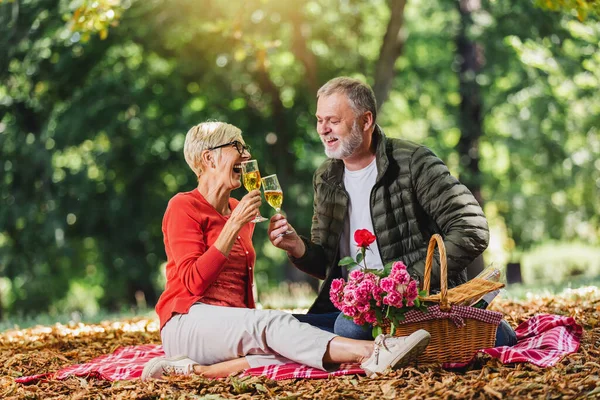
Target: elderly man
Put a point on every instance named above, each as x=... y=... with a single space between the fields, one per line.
x=395 y=188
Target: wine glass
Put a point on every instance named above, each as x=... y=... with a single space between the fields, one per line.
x=251 y=179
x=274 y=195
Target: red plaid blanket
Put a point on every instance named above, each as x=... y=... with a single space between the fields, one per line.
x=124 y=364
x=543 y=340
x=290 y=371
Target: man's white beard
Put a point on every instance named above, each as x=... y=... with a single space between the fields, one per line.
x=348 y=145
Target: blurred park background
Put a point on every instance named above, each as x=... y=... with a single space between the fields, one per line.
x=96 y=98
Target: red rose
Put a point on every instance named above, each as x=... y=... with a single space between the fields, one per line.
x=363 y=238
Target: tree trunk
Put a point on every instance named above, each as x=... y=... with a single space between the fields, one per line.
x=471 y=57
x=391 y=49
x=286 y=162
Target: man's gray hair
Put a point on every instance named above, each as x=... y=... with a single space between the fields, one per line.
x=359 y=94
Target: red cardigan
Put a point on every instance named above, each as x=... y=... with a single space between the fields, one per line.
x=196 y=270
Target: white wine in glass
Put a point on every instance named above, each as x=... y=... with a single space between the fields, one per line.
x=274 y=194
x=251 y=180
x=274 y=198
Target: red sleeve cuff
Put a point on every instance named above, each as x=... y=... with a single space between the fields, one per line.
x=212 y=262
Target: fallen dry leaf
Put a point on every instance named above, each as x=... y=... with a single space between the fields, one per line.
x=50 y=348
x=492 y=392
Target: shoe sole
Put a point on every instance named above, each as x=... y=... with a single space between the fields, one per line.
x=150 y=365
x=420 y=342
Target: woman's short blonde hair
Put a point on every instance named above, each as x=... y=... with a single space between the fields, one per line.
x=205 y=136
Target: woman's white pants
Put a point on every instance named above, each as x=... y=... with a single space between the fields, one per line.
x=211 y=334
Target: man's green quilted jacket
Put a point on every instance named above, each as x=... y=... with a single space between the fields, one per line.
x=414 y=197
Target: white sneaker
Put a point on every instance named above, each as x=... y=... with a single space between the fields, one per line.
x=160 y=366
x=395 y=352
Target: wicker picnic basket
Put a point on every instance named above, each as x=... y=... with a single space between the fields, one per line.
x=457 y=331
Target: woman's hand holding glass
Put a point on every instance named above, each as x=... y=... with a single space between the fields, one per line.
x=252 y=181
x=247 y=209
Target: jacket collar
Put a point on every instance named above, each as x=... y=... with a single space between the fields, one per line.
x=381 y=158
x=334 y=172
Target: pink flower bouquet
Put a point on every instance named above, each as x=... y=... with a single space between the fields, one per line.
x=373 y=297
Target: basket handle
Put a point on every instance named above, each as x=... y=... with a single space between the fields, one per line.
x=444 y=306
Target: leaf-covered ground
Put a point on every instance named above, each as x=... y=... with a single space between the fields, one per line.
x=42 y=349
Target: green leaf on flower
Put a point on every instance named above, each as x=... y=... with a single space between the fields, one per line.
x=423 y=293
x=417 y=302
x=379 y=272
x=359 y=258
x=395 y=320
x=346 y=262
x=387 y=268
x=379 y=315
x=376 y=331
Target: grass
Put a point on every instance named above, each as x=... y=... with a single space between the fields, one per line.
x=286 y=296
x=48 y=320
x=522 y=291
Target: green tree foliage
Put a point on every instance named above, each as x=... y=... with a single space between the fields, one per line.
x=96 y=98
x=543 y=143
x=581 y=8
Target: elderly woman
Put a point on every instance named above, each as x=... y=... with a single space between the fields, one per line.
x=207 y=318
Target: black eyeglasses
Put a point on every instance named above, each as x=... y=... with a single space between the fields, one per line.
x=237 y=144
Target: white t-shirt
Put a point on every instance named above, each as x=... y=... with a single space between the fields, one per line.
x=359 y=185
